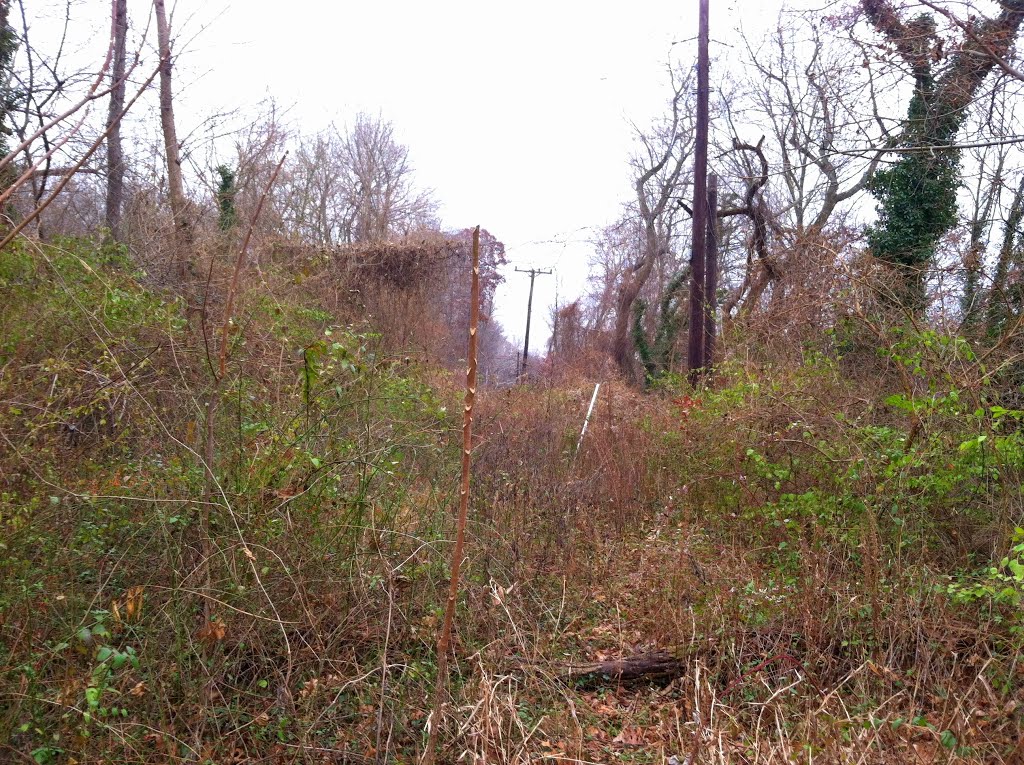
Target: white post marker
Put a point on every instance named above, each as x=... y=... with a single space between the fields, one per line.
x=586 y=420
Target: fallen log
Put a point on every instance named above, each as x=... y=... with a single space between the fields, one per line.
x=652 y=665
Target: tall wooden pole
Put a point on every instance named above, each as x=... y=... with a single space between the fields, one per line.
x=698 y=253
x=711 y=274
x=529 y=312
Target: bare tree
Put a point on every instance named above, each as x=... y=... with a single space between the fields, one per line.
x=356 y=186
x=175 y=185
x=35 y=89
x=256 y=144
x=53 y=125
x=985 y=186
x=812 y=95
x=660 y=163
x=378 y=183
x=1006 y=296
x=615 y=249
x=822 y=142
x=317 y=209
x=761 y=268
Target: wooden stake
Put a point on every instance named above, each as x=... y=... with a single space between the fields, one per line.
x=444 y=639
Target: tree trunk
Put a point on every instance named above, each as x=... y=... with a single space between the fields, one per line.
x=639 y=667
x=622 y=348
x=8 y=47
x=115 y=156
x=175 y=187
x=917 y=194
x=999 y=296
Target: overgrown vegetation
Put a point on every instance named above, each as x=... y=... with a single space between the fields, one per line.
x=230 y=461
x=781 y=531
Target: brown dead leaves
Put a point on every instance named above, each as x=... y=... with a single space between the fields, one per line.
x=212 y=632
x=128 y=609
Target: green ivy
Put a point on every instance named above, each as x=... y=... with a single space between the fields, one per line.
x=917 y=194
x=226 y=191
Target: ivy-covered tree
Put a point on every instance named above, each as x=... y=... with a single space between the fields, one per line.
x=227 y=216
x=917 y=194
x=656 y=355
x=9 y=97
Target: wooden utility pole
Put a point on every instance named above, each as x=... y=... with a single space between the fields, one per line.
x=533 y=272
x=698 y=254
x=711 y=274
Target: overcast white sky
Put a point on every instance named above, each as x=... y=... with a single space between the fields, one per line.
x=516 y=114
